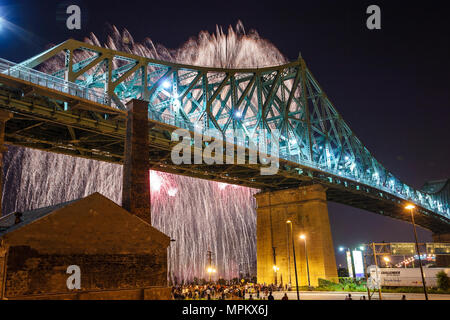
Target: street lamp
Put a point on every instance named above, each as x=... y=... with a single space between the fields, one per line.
x=275 y=269
x=303 y=237
x=295 y=260
x=411 y=207
x=363 y=249
x=211 y=271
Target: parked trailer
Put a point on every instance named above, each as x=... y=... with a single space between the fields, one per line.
x=407 y=277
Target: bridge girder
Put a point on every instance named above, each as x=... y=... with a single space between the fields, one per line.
x=286 y=100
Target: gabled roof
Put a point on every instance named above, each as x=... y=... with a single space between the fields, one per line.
x=28 y=218
x=7 y=222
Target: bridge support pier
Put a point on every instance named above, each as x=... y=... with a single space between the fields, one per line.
x=136 y=180
x=4 y=116
x=306 y=208
x=442 y=260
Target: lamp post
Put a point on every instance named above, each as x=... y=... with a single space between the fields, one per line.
x=275 y=269
x=363 y=249
x=289 y=256
x=303 y=237
x=211 y=271
x=295 y=261
x=411 y=207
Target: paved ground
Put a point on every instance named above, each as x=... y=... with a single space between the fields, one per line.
x=321 y=295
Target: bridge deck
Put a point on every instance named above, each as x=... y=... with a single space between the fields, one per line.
x=55 y=116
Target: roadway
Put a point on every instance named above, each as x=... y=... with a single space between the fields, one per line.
x=328 y=295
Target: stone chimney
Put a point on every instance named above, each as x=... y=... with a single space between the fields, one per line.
x=136 y=180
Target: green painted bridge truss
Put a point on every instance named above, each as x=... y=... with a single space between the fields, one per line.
x=84 y=88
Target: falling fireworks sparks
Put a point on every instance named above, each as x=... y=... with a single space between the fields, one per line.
x=172 y=192
x=155 y=181
x=200 y=215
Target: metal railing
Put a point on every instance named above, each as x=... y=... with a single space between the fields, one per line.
x=51 y=82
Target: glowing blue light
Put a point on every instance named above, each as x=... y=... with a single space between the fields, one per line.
x=346 y=157
x=238 y=114
x=166 y=84
x=176 y=104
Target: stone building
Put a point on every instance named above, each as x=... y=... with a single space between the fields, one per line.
x=120 y=255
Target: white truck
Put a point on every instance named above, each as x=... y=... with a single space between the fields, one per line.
x=404 y=277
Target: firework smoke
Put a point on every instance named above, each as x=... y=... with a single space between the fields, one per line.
x=200 y=215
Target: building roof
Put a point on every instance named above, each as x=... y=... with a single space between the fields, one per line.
x=7 y=222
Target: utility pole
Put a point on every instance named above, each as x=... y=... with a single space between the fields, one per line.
x=411 y=208
x=209 y=264
x=376 y=265
x=275 y=264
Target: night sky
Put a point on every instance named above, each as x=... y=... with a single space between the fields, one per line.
x=390 y=85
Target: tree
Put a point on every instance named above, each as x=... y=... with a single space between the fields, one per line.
x=443 y=280
x=342 y=272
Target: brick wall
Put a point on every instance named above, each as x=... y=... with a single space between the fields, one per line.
x=31 y=272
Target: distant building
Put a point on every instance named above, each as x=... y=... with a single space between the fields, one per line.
x=120 y=256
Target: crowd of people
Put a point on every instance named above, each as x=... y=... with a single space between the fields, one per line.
x=247 y=291
x=225 y=292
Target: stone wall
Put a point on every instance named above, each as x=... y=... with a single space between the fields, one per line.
x=153 y=293
x=30 y=272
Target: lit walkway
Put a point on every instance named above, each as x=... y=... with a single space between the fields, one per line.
x=325 y=295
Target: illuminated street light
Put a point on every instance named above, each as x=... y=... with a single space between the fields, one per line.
x=275 y=269
x=289 y=222
x=411 y=207
x=303 y=237
x=386 y=260
x=210 y=271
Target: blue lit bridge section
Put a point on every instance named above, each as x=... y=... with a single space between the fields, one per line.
x=316 y=144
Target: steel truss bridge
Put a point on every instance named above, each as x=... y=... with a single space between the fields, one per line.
x=71 y=99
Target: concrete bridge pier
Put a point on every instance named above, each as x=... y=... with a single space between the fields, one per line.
x=306 y=208
x=442 y=260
